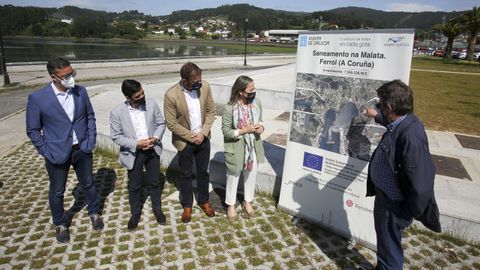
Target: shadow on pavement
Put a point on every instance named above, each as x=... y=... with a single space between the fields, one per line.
x=104 y=181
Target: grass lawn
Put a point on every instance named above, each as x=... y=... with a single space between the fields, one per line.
x=444 y=101
x=437 y=63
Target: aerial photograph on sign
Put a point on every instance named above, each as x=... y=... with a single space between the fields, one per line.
x=328 y=113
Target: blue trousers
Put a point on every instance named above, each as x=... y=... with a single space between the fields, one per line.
x=82 y=164
x=390 y=220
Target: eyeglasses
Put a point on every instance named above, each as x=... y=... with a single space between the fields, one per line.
x=67 y=76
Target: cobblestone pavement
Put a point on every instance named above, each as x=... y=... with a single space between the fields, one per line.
x=271 y=240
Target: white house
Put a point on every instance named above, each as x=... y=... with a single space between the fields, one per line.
x=283 y=36
x=67 y=20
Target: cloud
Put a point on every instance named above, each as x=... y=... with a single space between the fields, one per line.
x=411 y=7
x=120 y=5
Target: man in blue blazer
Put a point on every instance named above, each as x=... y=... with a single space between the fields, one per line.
x=61 y=125
x=137 y=126
x=401 y=174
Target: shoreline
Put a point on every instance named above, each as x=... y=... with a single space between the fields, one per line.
x=281 y=55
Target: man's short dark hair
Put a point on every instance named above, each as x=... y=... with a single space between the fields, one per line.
x=56 y=63
x=398 y=95
x=129 y=87
x=189 y=69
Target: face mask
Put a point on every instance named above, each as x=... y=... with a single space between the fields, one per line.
x=70 y=83
x=140 y=101
x=197 y=85
x=250 y=97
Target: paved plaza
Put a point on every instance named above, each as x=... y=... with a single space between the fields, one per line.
x=271 y=240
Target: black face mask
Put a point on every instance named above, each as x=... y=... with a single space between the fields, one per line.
x=139 y=102
x=250 y=97
x=197 y=85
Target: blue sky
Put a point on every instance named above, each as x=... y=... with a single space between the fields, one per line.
x=153 y=7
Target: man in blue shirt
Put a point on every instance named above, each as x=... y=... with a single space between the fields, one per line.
x=400 y=175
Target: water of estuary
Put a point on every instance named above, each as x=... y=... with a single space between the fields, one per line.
x=18 y=49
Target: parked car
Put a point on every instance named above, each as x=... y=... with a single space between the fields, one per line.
x=439 y=53
x=423 y=51
x=459 y=54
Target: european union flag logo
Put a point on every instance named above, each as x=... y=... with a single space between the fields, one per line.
x=303 y=41
x=312 y=161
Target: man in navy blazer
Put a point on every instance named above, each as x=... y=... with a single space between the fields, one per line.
x=61 y=125
x=401 y=174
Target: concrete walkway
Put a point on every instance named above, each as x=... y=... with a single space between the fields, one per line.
x=274 y=77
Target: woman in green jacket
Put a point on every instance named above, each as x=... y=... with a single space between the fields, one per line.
x=241 y=127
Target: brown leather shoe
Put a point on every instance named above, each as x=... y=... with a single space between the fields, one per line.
x=187 y=214
x=207 y=208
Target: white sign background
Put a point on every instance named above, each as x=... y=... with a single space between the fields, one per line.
x=329 y=187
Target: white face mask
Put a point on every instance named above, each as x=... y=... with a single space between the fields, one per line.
x=70 y=83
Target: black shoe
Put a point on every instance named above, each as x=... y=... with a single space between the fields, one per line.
x=133 y=222
x=62 y=234
x=161 y=219
x=69 y=218
x=97 y=222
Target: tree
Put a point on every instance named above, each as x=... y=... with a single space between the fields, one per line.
x=199 y=34
x=471 y=21
x=83 y=27
x=451 y=30
x=37 y=29
x=128 y=30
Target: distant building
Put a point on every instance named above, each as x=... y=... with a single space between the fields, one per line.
x=282 y=36
x=154 y=26
x=222 y=33
x=62 y=18
x=69 y=20
x=171 y=30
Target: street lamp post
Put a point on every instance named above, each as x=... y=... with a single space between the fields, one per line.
x=245 y=30
x=3 y=66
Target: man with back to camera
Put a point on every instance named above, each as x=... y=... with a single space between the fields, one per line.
x=137 y=126
x=60 y=122
x=400 y=175
x=189 y=112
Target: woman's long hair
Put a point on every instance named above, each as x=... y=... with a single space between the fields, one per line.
x=239 y=86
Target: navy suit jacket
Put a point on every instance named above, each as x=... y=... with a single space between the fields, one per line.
x=409 y=158
x=50 y=129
